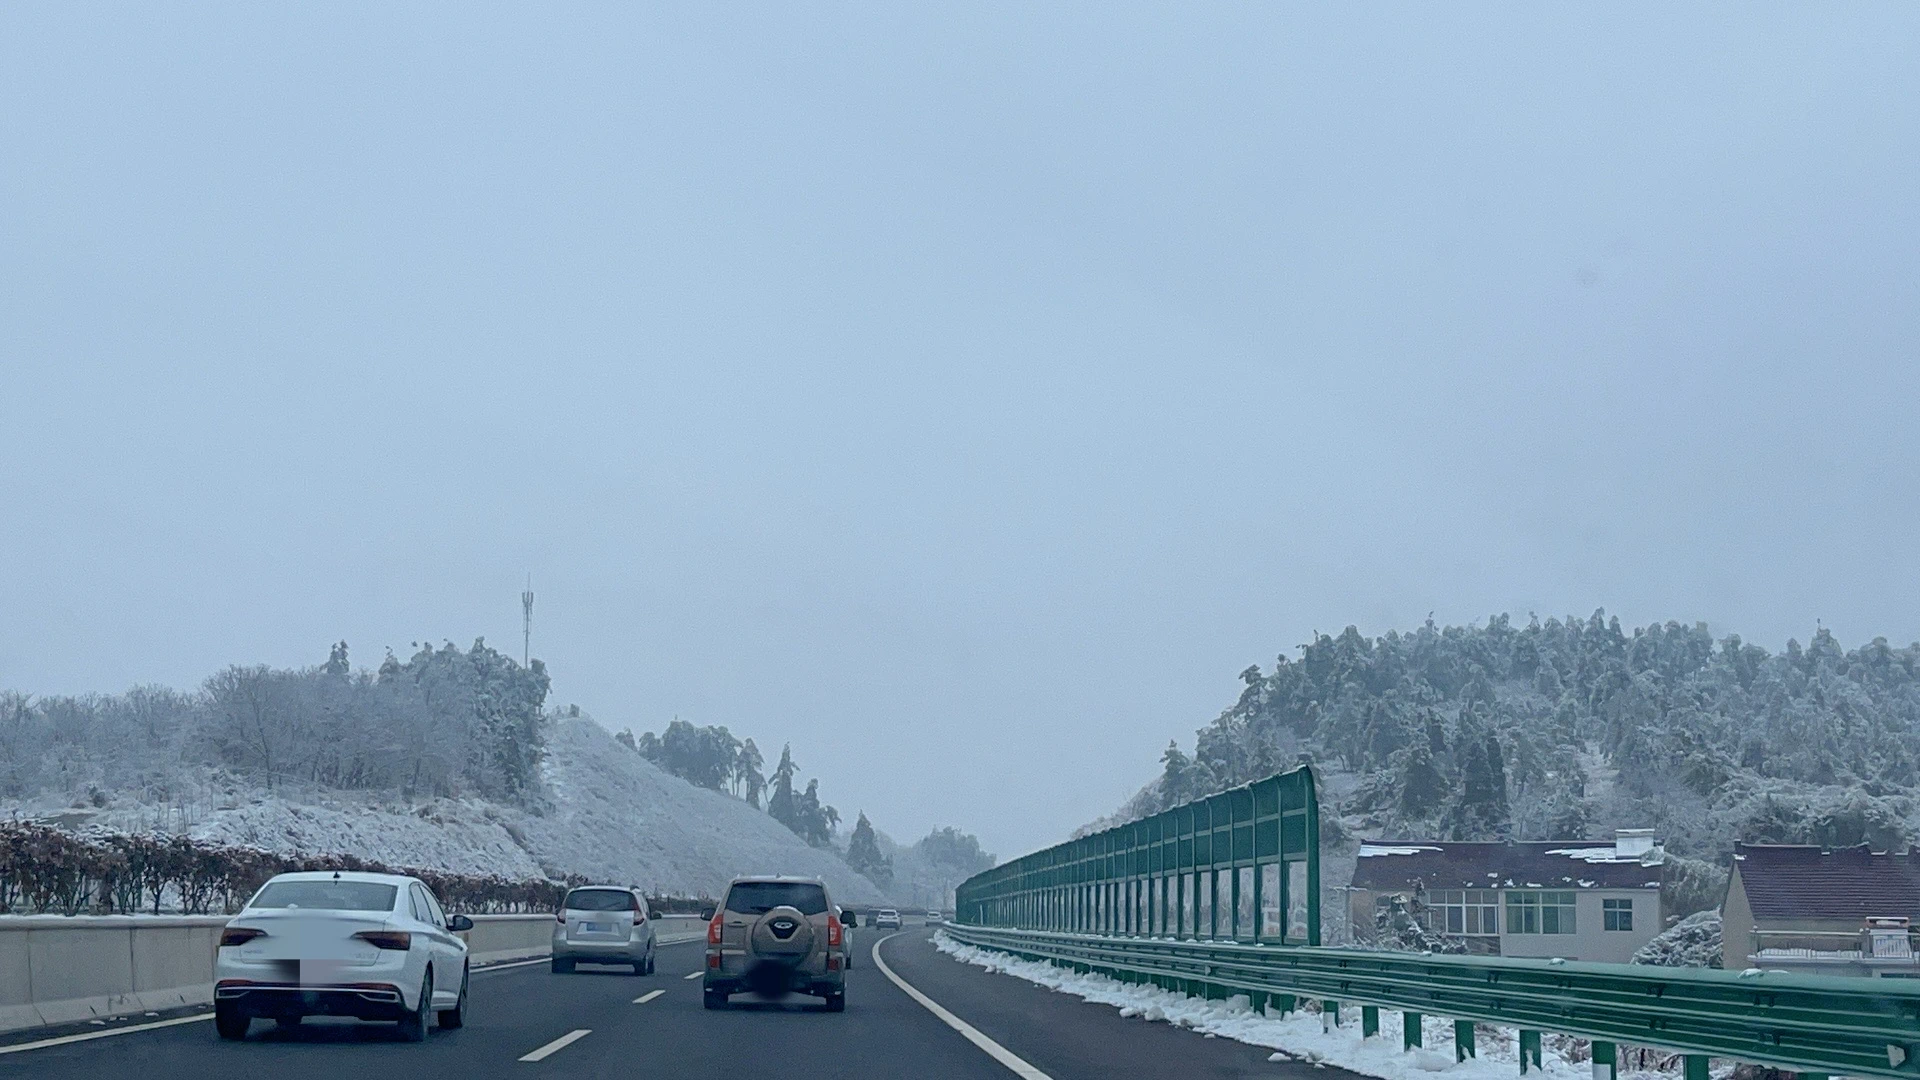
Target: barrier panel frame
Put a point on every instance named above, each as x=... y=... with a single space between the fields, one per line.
x=1220 y=847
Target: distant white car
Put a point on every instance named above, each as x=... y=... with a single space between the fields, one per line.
x=886 y=919
x=339 y=943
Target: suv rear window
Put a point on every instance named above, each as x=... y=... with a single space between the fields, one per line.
x=760 y=897
x=327 y=895
x=600 y=900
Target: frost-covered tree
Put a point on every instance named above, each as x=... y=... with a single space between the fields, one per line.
x=863 y=853
x=703 y=756
x=1564 y=727
x=748 y=782
x=446 y=721
x=781 y=804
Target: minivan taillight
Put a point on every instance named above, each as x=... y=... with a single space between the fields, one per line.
x=398 y=940
x=713 y=930
x=239 y=935
x=833 y=932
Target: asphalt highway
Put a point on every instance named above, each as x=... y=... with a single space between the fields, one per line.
x=956 y=1022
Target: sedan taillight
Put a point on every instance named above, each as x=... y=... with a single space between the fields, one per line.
x=398 y=940
x=239 y=935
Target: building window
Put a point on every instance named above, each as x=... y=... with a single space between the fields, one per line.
x=1463 y=911
x=1540 y=913
x=1617 y=914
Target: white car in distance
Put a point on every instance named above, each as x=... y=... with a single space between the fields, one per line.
x=341 y=943
x=886 y=919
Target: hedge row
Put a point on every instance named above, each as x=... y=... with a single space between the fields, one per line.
x=47 y=871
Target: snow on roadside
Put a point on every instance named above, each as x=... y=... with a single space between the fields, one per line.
x=1297 y=1036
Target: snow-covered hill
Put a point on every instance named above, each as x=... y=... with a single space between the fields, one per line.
x=616 y=816
x=612 y=816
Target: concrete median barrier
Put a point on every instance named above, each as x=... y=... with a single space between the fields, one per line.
x=70 y=969
x=62 y=970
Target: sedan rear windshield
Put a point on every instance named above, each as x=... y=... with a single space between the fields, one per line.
x=600 y=900
x=327 y=895
x=760 y=897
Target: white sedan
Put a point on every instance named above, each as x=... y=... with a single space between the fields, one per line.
x=339 y=943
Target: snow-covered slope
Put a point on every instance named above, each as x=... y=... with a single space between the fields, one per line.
x=613 y=816
x=618 y=817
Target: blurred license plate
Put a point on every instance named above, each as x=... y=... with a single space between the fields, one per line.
x=595 y=927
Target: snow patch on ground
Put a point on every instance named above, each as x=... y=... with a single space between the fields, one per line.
x=1295 y=1037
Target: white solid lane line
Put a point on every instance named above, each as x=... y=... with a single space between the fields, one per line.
x=994 y=1050
x=693 y=975
x=648 y=996
x=558 y=1044
x=91 y=1035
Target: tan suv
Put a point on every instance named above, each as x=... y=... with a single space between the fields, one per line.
x=774 y=936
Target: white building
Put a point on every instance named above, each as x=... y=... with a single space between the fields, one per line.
x=1579 y=900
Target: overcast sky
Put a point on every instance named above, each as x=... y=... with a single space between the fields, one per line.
x=965 y=398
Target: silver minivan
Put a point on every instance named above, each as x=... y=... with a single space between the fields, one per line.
x=603 y=924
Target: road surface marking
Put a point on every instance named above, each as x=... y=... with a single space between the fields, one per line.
x=648 y=996
x=994 y=1050
x=91 y=1035
x=483 y=969
x=693 y=975
x=558 y=1044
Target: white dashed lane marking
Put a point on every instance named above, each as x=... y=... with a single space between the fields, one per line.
x=648 y=996
x=558 y=1044
x=693 y=975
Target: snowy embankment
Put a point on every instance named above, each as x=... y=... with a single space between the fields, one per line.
x=1299 y=1036
x=611 y=815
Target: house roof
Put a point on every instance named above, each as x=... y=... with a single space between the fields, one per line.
x=1545 y=864
x=1802 y=881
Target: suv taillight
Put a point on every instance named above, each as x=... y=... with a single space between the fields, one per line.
x=833 y=932
x=713 y=930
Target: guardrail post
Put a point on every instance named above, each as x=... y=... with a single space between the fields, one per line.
x=1369 y=1021
x=1529 y=1050
x=1329 y=1015
x=1286 y=1003
x=1696 y=1068
x=1409 y=1030
x=1463 y=1041
x=1603 y=1067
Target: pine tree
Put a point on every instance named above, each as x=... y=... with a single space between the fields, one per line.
x=747 y=778
x=780 y=802
x=863 y=854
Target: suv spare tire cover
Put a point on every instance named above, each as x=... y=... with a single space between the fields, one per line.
x=783 y=932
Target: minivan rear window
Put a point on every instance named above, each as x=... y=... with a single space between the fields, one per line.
x=760 y=897
x=327 y=895
x=600 y=900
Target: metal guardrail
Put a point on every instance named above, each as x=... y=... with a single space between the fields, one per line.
x=1810 y=1024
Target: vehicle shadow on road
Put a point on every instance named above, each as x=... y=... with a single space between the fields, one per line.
x=322 y=1030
